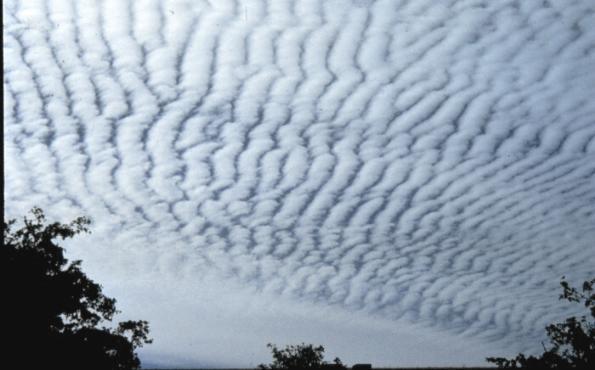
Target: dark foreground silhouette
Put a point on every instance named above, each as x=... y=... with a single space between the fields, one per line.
x=310 y=357
x=54 y=315
x=298 y=357
x=353 y=368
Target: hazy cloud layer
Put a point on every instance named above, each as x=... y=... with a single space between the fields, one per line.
x=427 y=164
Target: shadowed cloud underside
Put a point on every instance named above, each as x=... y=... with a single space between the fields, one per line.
x=429 y=164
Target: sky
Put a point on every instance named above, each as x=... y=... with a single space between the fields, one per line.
x=404 y=182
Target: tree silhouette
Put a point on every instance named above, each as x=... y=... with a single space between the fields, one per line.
x=572 y=341
x=53 y=311
x=301 y=356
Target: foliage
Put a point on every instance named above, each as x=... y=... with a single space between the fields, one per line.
x=572 y=342
x=301 y=356
x=53 y=311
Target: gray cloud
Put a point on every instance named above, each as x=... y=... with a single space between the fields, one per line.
x=430 y=166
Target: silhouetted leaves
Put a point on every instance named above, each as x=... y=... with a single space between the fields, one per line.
x=572 y=341
x=53 y=310
x=301 y=356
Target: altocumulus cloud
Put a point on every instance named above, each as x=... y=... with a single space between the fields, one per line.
x=403 y=181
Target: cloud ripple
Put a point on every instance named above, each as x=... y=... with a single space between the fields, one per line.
x=432 y=163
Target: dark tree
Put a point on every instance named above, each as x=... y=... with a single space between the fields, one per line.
x=572 y=342
x=301 y=356
x=54 y=315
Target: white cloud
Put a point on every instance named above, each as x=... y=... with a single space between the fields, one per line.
x=411 y=167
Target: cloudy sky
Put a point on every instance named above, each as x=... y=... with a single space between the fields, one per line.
x=402 y=181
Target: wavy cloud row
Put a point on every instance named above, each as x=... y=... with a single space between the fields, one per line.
x=419 y=162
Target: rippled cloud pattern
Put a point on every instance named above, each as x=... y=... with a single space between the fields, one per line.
x=427 y=162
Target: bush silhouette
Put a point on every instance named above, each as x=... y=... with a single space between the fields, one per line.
x=53 y=311
x=301 y=356
x=572 y=342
